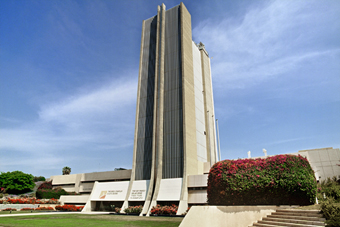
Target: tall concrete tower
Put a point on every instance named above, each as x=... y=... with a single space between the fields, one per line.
x=175 y=123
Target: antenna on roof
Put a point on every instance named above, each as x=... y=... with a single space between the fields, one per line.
x=265 y=152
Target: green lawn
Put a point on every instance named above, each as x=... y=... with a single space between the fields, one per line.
x=20 y=212
x=88 y=220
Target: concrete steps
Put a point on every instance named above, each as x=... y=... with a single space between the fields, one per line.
x=292 y=218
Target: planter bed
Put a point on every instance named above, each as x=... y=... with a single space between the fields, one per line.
x=18 y=206
x=124 y=214
x=168 y=215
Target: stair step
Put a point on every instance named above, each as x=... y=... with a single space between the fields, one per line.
x=299 y=211
x=294 y=221
x=298 y=214
x=265 y=225
x=286 y=224
x=297 y=217
x=292 y=218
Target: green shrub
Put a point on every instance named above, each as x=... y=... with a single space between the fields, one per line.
x=39 y=178
x=50 y=193
x=16 y=182
x=329 y=188
x=331 y=211
x=276 y=180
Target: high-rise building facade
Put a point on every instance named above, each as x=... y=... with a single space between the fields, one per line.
x=175 y=126
x=174 y=143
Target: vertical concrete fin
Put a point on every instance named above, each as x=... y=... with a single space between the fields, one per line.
x=156 y=173
x=208 y=106
x=88 y=206
x=189 y=125
x=132 y=178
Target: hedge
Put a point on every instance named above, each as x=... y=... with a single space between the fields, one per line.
x=276 y=180
x=331 y=211
x=50 y=193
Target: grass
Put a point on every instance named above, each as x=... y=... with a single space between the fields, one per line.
x=24 y=211
x=88 y=220
x=17 y=212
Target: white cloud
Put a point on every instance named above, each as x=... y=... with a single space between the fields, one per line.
x=270 y=40
x=109 y=99
x=101 y=120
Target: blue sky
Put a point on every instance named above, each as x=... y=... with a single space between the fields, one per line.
x=69 y=70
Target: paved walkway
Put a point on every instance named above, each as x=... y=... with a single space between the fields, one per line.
x=50 y=213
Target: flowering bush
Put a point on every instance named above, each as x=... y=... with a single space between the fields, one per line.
x=69 y=208
x=171 y=210
x=9 y=209
x=44 y=208
x=134 y=209
x=29 y=201
x=117 y=209
x=46 y=185
x=276 y=180
x=27 y=208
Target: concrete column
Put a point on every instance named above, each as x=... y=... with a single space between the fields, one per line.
x=190 y=166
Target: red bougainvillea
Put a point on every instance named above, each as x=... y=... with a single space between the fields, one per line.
x=69 y=208
x=44 y=208
x=160 y=210
x=27 y=208
x=9 y=209
x=276 y=180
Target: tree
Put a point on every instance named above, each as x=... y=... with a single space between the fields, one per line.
x=16 y=182
x=66 y=170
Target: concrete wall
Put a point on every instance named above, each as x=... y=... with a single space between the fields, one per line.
x=83 y=182
x=199 y=106
x=86 y=187
x=324 y=161
x=226 y=216
x=198 y=180
x=107 y=176
x=197 y=189
x=74 y=199
x=64 y=179
x=208 y=105
x=197 y=196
